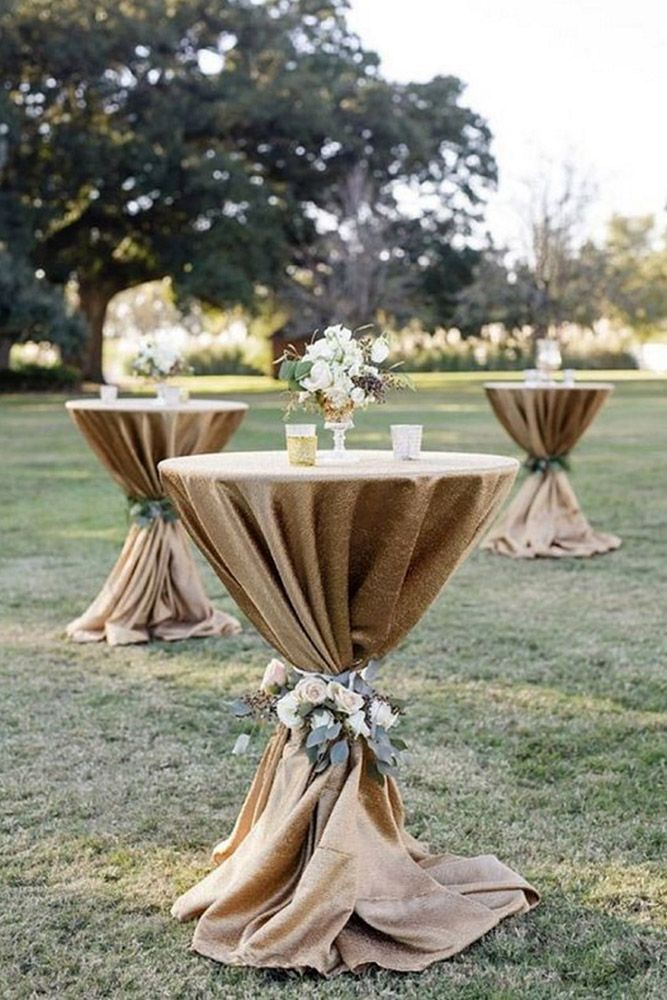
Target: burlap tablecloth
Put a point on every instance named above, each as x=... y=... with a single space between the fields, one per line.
x=545 y=519
x=334 y=565
x=154 y=589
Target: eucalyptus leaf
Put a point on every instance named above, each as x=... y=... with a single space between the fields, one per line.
x=398 y=743
x=242 y=743
x=384 y=767
x=333 y=732
x=339 y=752
x=384 y=751
x=286 y=370
x=302 y=370
x=317 y=736
x=312 y=753
x=240 y=708
x=371 y=670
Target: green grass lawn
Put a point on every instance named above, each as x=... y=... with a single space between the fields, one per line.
x=537 y=719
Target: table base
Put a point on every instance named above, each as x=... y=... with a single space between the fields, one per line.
x=153 y=592
x=319 y=873
x=545 y=520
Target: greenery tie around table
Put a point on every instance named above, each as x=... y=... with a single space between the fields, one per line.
x=327 y=714
x=144 y=511
x=555 y=462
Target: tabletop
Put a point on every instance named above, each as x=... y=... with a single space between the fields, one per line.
x=556 y=386
x=272 y=466
x=151 y=405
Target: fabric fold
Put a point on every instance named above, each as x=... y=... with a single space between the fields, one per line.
x=154 y=590
x=544 y=518
x=335 y=566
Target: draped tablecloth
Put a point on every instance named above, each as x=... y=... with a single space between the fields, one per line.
x=335 y=565
x=545 y=519
x=154 y=589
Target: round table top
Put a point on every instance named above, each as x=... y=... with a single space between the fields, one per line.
x=551 y=386
x=152 y=405
x=272 y=466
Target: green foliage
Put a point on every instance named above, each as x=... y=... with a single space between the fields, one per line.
x=31 y=309
x=40 y=378
x=125 y=159
x=221 y=361
x=637 y=274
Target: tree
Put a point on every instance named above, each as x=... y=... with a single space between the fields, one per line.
x=127 y=159
x=30 y=309
x=416 y=165
x=560 y=276
x=204 y=141
x=636 y=286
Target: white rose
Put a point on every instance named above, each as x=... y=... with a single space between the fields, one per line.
x=357 y=723
x=382 y=715
x=287 y=710
x=312 y=690
x=322 y=717
x=379 y=351
x=339 y=332
x=344 y=699
x=319 y=377
x=275 y=676
x=358 y=396
x=319 y=349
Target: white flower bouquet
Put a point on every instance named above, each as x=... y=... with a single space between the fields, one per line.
x=159 y=357
x=328 y=715
x=339 y=373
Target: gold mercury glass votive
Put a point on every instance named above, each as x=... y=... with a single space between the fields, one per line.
x=301 y=444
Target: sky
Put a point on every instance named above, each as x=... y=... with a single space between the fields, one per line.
x=557 y=80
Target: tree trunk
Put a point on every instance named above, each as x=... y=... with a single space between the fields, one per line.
x=94 y=297
x=5 y=348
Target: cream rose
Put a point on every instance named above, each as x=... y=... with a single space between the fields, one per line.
x=344 y=699
x=275 y=677
x=358 y=725
x=382 y=715
x=287 y=710
x=319 y=377
x=379 y=351
x=312 y=690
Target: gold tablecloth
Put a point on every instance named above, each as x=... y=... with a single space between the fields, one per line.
x=154 y=589
x=335 y=565
x=545 y=519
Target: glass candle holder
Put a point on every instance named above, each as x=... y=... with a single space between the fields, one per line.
x=301 y=442
x=548 y=358
x=168 y=395
x=568 y=376
x=108 y=393
x=407 y=441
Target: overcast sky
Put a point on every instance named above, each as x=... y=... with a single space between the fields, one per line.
x=556 y=79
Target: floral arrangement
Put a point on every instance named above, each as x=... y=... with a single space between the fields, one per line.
x=159 y=357
x=328 y=714
x=338 y=373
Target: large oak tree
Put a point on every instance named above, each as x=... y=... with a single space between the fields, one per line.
x=208 y=141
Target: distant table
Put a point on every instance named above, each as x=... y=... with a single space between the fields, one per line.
x=334 y=565
x=154 y=589
x=544 y=518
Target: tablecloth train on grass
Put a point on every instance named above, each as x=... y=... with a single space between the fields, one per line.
x=334 y=566
x=154 y=589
